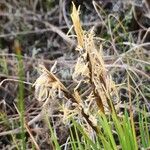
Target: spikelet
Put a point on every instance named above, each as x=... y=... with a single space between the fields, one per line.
x=77 y=25
x=47 y=87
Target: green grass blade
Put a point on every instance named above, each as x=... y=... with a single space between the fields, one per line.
x=72 y=140
x=120 y=132
x=80 y=128
x=53 y=135
x=107 y=131
x=21 y=99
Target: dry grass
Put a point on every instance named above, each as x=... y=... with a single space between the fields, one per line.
x=89 y=69
x=107 y=78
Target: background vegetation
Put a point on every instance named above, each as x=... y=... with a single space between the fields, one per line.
x=58 y=112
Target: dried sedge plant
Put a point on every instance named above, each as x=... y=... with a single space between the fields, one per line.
x=89 y=70
x=90 y=66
